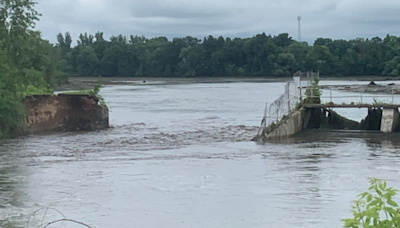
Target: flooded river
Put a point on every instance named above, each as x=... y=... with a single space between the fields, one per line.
x=180 y=156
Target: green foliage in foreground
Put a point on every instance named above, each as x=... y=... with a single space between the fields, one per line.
x=375 y=208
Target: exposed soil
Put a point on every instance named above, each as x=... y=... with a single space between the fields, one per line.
x=64 y=112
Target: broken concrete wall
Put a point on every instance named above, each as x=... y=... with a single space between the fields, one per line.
x=306 y=118
x=320 y=118
x=288 y=126
x=335 y=121
x=65 y=112
x=373 y=120
x=312 y=118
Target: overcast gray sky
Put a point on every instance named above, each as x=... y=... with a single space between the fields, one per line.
x=229 y=18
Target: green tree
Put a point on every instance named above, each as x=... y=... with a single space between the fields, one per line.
x=261 y=55
x=64 y=43
x=260 y=52
x=300 y=51
x=321 y=59
x=109 y=64
x=283 y=40
x=392 y=67
x=87 y=61
x=285 y=64
x=17 y=18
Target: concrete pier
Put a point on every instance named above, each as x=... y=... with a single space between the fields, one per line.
x=390 y=118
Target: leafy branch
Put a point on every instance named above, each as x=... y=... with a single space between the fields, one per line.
x=375 y=208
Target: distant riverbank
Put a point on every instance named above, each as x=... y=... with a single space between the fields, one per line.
x=78 y=83
x=381 y=87
x=381 y=83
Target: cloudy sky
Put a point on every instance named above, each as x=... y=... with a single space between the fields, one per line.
x=233 y=18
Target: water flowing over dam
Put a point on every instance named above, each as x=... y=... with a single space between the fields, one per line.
x=181 y=156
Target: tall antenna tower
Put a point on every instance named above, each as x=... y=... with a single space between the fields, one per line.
x=299 y=34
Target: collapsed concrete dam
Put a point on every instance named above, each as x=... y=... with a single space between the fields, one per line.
x=297 y=110
x=383 y=119
x=64 y=112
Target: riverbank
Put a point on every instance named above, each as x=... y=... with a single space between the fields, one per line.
x=65 y=112
x=81 y=83
x=383 y=85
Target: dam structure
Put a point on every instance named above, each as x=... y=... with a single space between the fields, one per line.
x=300 y=108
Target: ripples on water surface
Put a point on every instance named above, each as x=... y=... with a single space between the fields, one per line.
x=180 y=156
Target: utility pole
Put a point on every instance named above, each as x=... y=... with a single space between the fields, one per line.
x=299 y=34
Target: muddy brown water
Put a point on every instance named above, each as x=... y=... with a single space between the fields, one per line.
x=181 y=156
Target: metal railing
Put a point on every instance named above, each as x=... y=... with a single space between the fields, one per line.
x=284 y=104
x=361 y=98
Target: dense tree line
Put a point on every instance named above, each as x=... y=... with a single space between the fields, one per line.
x=261 y=55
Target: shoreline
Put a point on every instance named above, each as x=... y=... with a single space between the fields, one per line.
x=379 y=88
x=79 y=83
x=384 y=85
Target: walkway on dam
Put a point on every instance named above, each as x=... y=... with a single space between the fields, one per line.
x=332 y=105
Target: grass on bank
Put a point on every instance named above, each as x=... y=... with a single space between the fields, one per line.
x=32 y=90
x=91 y=92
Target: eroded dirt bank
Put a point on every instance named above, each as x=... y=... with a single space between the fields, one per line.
x=64 y=112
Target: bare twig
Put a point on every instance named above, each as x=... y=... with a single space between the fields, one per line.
x=44 y=208
x=32 y=215
x=47 y=209
x=67 y=220
x=44 y=215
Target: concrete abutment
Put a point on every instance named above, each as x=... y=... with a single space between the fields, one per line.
x=385 y=120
